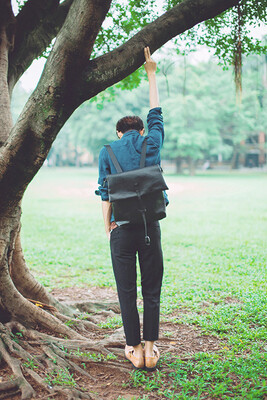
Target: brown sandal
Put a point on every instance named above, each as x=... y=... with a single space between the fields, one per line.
x=151 y=362
x=137 y=362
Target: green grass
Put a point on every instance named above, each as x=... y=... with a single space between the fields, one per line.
x=111 y=323
x=214 y=242
x=207 y=376
x=60 y=377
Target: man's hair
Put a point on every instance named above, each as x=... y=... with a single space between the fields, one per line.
x=128 y=123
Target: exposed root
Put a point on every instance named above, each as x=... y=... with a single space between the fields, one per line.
x=74 y=394
x=45 y=306
x=67 y=359
x=53 y=363
x=53 y=370
x=8 y=389
x=42 y=382
x=20 y=382
x=81 y=323
x=95 y=307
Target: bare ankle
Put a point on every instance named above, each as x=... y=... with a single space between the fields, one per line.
x=149 y=347
x=138 y=347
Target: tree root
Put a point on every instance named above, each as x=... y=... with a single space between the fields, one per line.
x=81 y=323
x=8 y=389
x=20 y=382
x=52 y=363
x=56 y=365
x=95 y=307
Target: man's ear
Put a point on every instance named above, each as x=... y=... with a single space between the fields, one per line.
x=119 y=134
x=142 y=131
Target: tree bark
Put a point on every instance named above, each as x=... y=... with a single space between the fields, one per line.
x=38 y=24
x=7 y=31
x=14 y=303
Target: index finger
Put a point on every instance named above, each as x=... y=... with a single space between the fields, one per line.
x=147 y=53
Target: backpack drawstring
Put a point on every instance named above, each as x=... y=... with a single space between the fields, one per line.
x=143 y=213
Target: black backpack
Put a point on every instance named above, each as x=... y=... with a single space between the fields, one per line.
x=137 y=196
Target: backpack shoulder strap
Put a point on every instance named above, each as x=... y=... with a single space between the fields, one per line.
x=113 y=158
x=143 y=153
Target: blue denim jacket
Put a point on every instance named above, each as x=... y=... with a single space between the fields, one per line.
x=128 y=151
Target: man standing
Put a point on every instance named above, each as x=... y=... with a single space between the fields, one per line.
x=127 y=239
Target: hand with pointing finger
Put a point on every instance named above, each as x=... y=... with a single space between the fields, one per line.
x=150 y=64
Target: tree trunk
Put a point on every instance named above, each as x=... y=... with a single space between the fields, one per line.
x=16 y=281
x=6 y=42
x=9 y=224
x=235 y=158
x=178 y=164
x=191 y=166
x=27 y=285
x=12 y=300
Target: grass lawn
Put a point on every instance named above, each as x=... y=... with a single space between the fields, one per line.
x=214 y=242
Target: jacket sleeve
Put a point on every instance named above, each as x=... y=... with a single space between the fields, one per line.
x=104 y=170
x=155 y=127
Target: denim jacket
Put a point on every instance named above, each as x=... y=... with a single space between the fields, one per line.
x=128 y=151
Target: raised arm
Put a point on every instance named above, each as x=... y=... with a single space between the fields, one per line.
x=151 y=67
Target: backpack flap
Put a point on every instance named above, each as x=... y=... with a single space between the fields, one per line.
x=130 y=209
x=126 y=185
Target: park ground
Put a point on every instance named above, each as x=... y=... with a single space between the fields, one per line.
x=213 y=336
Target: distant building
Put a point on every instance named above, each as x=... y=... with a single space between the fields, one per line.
x=254 y=151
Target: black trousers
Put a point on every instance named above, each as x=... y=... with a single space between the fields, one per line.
x=126 y=241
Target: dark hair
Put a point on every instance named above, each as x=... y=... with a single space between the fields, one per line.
x=128 y=123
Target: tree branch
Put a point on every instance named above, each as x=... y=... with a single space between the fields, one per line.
x=37 y=24
x=114 y=66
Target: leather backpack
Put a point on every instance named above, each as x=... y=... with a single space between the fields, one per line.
x=137 y=195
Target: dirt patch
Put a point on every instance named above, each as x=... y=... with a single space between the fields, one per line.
x=183 y=339
x=85 y=294
x=232 y=300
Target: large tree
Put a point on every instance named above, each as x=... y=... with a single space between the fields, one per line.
x=91 y=51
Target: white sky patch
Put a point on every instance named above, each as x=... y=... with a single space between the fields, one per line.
x=31 y=77
x=15 y=7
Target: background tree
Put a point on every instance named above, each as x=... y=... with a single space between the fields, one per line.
x=205 y=122
x=85 y=58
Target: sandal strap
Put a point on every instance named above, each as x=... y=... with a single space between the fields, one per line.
x=156 y=350
x=129 y=349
